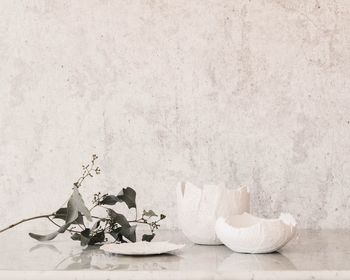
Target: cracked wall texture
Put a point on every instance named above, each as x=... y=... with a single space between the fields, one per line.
x=251 y=93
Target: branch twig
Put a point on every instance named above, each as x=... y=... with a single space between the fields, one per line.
x=26 y=220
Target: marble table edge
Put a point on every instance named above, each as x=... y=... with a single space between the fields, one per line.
x=169 y=275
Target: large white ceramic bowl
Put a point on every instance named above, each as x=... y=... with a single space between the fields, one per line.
x=199 y=208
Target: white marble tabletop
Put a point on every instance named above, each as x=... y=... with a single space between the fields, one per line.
x=311 y=255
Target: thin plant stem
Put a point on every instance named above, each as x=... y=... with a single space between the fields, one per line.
x=26 y=220
x=52 y=221
x=88 y=171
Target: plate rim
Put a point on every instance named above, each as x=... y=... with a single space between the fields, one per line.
x=179 y=247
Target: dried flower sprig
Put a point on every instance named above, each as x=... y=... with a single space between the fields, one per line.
x=114 y=224
x=88 y=171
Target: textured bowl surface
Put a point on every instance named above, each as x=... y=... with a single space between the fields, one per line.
x=200 y=207
x=250 y=234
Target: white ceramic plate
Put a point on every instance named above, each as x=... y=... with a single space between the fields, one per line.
x=142 y=248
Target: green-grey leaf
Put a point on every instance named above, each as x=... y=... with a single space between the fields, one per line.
x=110 y=200
x=44 y=237
x=129 y=233
x=128 y=195
x=62 y=214
x=85 y=237
x=148 y=237
x=116 y=234
x=76 y=236
x=76 y=205
x=99 y=237
x=96 y=225
x=149 y=213
x=49 y=236
x=118 y=218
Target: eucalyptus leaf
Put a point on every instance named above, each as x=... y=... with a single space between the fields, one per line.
x=96 y=225
x=75 y=205
x=118 y=218
x=85 y=237
x=148 y=237
x=116 y=234
x=129 y=233
x=128 y=195
x=149 y=213
x=46 y=237
x=76 y=236
x=62 y=214
x=49 y=236
x=110 y=200
x=98 y=237
x=72 y=212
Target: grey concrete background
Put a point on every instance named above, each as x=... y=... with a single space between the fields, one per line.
x=251 y=93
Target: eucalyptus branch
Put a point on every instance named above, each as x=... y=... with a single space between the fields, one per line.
x=74 y=212
x=26 y=220
x=140 y=221
x=95 y=217
x=152 y=224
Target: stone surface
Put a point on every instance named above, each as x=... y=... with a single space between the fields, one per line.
x=312 y=255
x=252 y=93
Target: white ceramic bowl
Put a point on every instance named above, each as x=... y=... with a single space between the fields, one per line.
x=246 y=233
x=199 y=208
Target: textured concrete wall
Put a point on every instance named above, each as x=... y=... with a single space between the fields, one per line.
x=250 y=93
